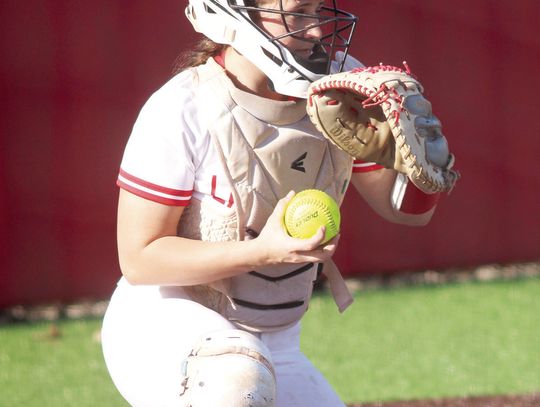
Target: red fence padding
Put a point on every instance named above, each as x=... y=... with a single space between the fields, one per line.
x=74 y=75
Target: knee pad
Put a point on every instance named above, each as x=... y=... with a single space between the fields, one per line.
x=229 y=368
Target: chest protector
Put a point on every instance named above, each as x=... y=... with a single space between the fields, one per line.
x=267 y=148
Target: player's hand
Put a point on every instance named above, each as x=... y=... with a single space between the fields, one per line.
x=278 y=247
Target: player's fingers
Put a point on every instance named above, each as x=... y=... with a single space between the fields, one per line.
x=312 y=242
x=320 y=253
x=334 y=240
x=331 y=245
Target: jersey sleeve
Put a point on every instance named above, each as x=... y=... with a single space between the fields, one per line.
x=362 y=166
x=158 y=158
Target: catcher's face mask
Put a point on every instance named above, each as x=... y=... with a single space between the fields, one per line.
x=292 y=42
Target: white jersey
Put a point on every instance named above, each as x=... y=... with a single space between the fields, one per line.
x=169 y=159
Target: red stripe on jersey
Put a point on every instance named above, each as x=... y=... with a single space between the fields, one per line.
x=217 y=198
x=361 y=166
x=154 y=187
x=152 y=197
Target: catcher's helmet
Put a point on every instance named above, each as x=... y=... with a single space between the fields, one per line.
x=230 y=22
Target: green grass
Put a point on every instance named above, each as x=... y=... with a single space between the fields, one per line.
x=416 y=342
x=39 y=370
x=429 y=341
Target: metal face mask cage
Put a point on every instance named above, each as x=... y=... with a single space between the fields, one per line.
x=337 y=28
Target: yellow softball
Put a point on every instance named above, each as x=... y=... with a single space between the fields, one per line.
x=310 y=209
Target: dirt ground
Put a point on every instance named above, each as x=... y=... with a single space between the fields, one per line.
x=530 y=400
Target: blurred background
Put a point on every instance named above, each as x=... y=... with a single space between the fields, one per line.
x=74 y=75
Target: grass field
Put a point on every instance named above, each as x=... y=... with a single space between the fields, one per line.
x=430 y=341
x=401 y=343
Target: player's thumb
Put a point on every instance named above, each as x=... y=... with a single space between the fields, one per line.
x=279 y=210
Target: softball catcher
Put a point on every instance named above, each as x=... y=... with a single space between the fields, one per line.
x=208 y=310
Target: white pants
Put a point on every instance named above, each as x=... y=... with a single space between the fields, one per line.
x=147 y=334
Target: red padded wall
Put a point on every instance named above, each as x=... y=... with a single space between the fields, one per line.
x=478 y=62
x=74 y=75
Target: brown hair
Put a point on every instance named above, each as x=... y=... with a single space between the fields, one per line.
x=204 y=48
x=198 y=55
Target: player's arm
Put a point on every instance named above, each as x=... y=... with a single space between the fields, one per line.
x=151 y=253
x=379 y=188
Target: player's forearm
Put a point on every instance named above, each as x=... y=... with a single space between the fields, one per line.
x=151 y=253
x=173 y=260
x=376 y=188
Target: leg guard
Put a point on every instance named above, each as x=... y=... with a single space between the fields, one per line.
x=229 y=368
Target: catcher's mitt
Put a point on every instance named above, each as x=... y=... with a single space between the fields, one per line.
x=378 y=114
